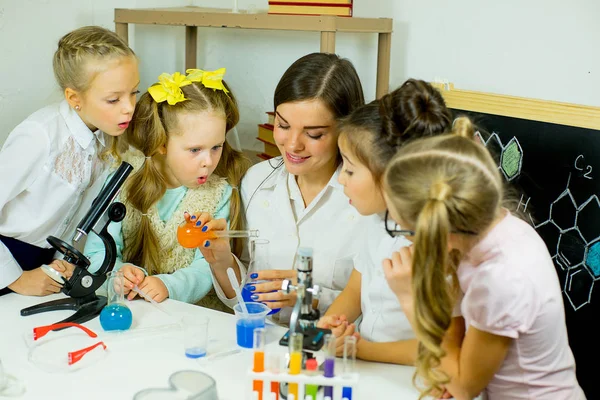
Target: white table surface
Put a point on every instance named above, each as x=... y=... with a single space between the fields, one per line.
x=147 y=360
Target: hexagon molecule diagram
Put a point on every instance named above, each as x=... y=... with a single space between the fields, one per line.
x=509 y=157
x=575 y=248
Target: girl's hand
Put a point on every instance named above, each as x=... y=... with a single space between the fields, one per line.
x=217 y=252
x=154 y=288
x=331 y=321
x=35 y=283
x=398 y=272
x=65 y=268
x=270 y=292
x=133 y=276
x=340 y=333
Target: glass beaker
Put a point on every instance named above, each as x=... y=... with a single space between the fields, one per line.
x=115 y=316
x=259 y=261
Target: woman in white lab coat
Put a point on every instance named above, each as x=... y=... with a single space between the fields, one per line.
x=295 y=200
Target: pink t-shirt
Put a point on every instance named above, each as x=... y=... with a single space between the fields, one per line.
x=511 y=289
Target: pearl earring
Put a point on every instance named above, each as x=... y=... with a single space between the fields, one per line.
x=77 y=108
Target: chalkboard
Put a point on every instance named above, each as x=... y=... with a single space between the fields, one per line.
x=554 y=170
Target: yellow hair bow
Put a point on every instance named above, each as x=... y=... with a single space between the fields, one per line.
x=169 y=88
x=210 y=79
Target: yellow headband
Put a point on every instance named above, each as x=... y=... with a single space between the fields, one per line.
x=210 y=79
x=169 y=86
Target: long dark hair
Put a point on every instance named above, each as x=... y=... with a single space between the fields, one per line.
x=325 y=77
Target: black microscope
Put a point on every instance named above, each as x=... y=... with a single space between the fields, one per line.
x=82 y=285
x=304 y=317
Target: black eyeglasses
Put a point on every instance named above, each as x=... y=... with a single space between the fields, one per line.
x=394 y=230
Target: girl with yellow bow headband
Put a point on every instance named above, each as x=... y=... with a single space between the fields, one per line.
x=182 y=163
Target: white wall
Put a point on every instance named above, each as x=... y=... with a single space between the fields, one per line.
x=544 y=49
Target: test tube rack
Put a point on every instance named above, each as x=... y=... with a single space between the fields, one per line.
x=338 y=382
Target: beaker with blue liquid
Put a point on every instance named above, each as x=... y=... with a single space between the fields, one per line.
x=259 y=261
x=115 y=316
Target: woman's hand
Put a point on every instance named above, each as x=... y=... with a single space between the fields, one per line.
x=398 y=272
x=270 y=292
x=217 y=252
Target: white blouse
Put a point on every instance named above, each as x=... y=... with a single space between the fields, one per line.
x=329 y=225
x=382 y=317
x=47 y=164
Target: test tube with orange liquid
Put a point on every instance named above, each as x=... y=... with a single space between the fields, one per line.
x=259 y=360
x=191 y=236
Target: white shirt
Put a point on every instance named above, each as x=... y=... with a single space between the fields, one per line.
x=46 y=165
x=329 y=225
x=382 y=317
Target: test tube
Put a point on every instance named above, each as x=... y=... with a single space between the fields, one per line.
x=349 y=361
x=329 y=363
x=259 y=360
x=311 y=390
x=275 y=362
x=295 y=346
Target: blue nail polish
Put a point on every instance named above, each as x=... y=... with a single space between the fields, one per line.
x=193 y=217
x=251 y=288
x=198 y=223
x=206 y=244
x=204 y=228
x=253 y=275
x=254 y=297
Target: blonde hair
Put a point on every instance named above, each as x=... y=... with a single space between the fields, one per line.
x=440 y=185
x=149 y=129
x=80 y=55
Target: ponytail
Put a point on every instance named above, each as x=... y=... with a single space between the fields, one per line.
x=147 y=185
x=433 y=308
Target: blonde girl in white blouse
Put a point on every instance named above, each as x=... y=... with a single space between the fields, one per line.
x=51 y=161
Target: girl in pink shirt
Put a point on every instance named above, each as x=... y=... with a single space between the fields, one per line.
x=507 y=334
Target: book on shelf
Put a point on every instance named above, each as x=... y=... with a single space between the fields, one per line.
x=312 y=2
x=271 y=118
x=271 y=150
x=265 y=133
x=341 y=10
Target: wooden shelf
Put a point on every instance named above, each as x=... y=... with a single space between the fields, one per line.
x=327 y=25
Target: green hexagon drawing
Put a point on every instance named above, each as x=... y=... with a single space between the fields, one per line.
x=511 y=159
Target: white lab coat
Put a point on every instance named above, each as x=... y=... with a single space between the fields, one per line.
x=382 y=317
x=329 y=225
x=50 y=172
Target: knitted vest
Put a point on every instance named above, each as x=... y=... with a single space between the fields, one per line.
x=172 y=256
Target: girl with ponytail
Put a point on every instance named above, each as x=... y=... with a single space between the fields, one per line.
x=369 y=137
x=183 y=164
x=446 y=193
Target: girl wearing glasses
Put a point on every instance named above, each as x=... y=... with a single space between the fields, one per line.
x=515 y=345
x=369 y=138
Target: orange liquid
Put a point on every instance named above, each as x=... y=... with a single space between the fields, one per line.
x=190 y=236
x=259 y=366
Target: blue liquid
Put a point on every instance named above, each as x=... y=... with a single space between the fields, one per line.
x=116 y=317
x=195 y=352
x=245 y=331
x=347 y=393
x=247 y=295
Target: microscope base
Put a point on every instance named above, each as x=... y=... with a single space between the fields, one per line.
x=85 y=308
